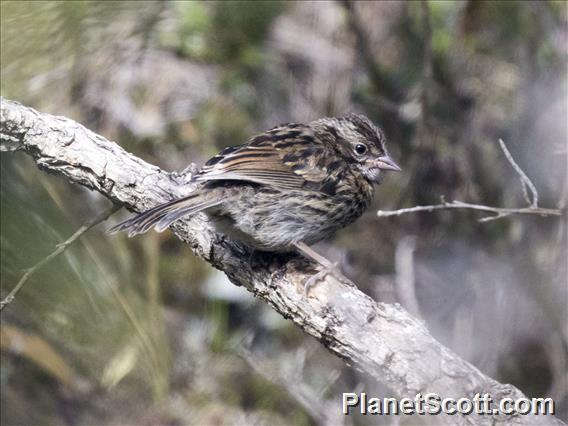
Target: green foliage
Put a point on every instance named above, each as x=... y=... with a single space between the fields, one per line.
x=49 y=43
x=189 y=36
x=222 y=32
x=223 y=124
x=241 y=28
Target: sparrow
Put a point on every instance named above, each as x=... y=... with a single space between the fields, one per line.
x=285 y=189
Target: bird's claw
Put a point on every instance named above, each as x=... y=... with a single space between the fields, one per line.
x=332 y=269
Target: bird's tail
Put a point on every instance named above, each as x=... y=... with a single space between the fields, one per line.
x=165 y=214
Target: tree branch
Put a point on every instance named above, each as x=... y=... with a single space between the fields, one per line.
x=382 y=340
x=500 y=212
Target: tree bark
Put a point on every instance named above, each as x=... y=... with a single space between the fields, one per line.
x=381 y=340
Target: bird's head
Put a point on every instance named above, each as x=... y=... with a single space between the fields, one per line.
x=361 y=144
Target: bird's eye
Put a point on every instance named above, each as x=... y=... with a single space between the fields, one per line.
x=360 y=149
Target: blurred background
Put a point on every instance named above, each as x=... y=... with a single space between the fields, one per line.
x=139 y=331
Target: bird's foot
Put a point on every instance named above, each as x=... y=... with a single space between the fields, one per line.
x=330 y=269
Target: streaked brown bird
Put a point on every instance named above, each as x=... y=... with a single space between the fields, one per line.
x=284 y=189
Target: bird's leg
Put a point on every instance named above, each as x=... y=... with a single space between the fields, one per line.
x=328 y=267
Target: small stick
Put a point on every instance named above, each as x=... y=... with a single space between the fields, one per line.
x=501 y=212
x=532 y=207
x=60 y=248
x=525 y=181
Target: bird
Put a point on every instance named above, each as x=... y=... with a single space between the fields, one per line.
x=285 y=189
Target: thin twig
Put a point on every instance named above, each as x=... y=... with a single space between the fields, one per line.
x=60 y=248
x=501 y=212
x=532 y=200
x=525 y=181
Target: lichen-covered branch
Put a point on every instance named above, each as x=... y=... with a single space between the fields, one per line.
x=382 y=340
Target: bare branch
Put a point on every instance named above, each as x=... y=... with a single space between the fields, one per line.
x=525 y=181
x=382 y=340
x=60 y=248
x=500 y=212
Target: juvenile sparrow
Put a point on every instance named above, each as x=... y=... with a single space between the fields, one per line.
x=284 y=189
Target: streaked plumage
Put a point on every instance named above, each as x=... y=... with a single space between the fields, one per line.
x=296 y=183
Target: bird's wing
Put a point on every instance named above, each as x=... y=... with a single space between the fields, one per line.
x=285 y=157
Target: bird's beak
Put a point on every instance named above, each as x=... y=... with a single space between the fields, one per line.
x=386 y=163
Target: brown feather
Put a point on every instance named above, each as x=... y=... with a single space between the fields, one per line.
x=275 y=163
